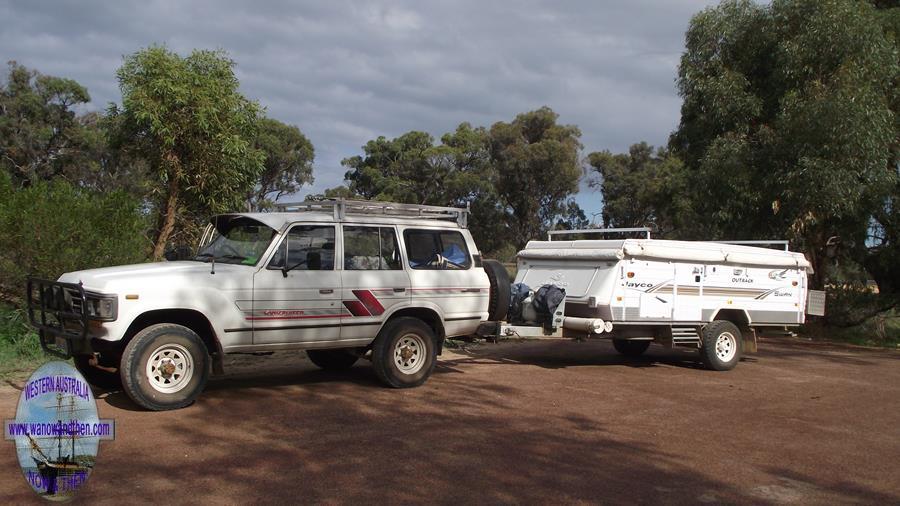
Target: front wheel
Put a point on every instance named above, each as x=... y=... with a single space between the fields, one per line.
x=165 y=366
x=404 y=353
x=721 y=346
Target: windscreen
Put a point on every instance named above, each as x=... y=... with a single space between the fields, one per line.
x=237 y=240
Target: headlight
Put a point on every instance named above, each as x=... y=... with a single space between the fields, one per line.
x=102 y=307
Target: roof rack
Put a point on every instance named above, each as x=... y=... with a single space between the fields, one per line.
x=342 y=208
x=643 y=230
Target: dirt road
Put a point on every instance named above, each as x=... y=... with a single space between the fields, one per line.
x=538 y=422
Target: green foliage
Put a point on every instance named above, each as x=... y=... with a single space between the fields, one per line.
x=288 y=162
x=412 y=169
x=517 y=177
x=789 y=125
x=40 y=136
x=537 y=167
x=644 y=187
x=20 y=351
x=572 y=218
x=187 y=119
x=50 y=228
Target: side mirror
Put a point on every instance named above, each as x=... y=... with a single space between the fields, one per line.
x=178 y=253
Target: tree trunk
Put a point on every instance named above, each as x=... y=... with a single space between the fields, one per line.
x=166 y=219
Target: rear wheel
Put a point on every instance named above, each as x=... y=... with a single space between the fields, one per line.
x=404 y=353
x=721 y=347
x=630 y=348
x=332 y=360
x=498 y=304
x=165 y=366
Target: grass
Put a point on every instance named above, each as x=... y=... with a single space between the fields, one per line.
x=20 y=351
x=880 y=332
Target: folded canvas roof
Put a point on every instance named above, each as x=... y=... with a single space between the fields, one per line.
x=657 y=249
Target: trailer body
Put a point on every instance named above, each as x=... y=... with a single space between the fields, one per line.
x=668 y=291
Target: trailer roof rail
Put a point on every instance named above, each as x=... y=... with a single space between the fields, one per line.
x=782 y=242
x=643 y=230
x=341 y=208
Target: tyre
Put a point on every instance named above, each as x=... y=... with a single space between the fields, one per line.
x=404 y=353
x=499 y=298
x=97 y=377
x=720 y=349
x=630 y=348
x=332 y=360
x=165 y=366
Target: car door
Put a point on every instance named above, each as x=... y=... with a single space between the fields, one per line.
x=373 y=279
x=296 y=296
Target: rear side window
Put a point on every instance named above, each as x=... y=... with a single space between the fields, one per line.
x=306 y=248
x=371 y=249
x=436 y=249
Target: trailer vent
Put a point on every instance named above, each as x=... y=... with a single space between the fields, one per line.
x=815 y=303
x=685 y=336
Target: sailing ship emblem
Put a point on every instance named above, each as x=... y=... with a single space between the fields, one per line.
x=57 y=431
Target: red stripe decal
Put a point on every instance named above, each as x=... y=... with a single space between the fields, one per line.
x=357 y=308
x=306 y=317
x=370 y=301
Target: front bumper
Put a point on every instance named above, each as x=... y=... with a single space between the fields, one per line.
x=59 y=312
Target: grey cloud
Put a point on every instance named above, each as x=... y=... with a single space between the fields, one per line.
x=345 y=72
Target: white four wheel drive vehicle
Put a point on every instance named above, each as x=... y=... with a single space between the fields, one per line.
x=340 y=279
x=346 y=280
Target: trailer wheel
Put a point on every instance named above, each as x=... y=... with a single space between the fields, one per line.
x=499 y=299
x=332 y=360
x=165 y=366
x=721 y=346
x=404 y=353
x=631 y=348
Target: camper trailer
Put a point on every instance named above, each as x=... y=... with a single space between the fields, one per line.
x=708 y=296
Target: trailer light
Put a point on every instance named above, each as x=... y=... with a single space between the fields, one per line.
x=131 y=296
x=618 y=299
x=630 y=274
x=729 y=301
x=793 y=283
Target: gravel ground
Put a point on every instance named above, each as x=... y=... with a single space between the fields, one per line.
x=532 y=422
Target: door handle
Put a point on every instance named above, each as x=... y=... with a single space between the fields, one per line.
x=326 y=291
x=399 y=290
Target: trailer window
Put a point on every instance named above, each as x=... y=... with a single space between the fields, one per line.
x=436 y=249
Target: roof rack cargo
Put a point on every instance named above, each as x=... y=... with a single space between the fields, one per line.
x=344 y=207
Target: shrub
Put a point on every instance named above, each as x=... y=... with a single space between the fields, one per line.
x=53 y=227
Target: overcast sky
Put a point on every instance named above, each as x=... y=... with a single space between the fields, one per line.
x=346 y=72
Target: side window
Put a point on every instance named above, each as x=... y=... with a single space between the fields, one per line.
x=436 y=249
x=306 y=248
x=370 y=248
